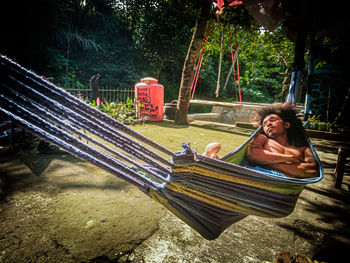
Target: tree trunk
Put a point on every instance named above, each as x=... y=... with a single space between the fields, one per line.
x=160 y=69
x=285 y=84
x=183 y=101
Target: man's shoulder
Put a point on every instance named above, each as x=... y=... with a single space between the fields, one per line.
x=261 y=138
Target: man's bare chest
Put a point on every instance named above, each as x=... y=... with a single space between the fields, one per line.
x=273 y=146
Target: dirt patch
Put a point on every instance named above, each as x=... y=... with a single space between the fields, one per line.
x=57 y=208
x=71 y=211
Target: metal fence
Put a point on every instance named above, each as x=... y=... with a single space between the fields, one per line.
x=106 y=93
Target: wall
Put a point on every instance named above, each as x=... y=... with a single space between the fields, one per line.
x=229 y=113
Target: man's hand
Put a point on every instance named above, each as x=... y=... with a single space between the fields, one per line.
x=301 y=170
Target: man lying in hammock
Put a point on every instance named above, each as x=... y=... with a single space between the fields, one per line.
x=281 y=147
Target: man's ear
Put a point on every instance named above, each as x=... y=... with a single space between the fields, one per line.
x=287 y=125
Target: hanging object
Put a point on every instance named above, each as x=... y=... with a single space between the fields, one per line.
x=232 y=71
x=199 y=61
x=208 y=194
x=238 y=75
x=235 y=60
x=220 y=61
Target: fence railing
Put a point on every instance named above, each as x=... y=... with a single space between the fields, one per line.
x=106 y=93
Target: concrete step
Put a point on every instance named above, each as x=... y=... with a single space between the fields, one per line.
x=215 y=117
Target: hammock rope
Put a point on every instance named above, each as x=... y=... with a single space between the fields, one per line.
x=199 y=61
x=220 y=60
x=53 y=134
x=46 y=92
x=238 y=75
x=24 y=98
x=116 y=138
x=234 y=59
x=208 y=194
x=44 y=114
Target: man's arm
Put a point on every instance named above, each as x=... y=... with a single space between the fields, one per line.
x=256 y=153
x=305 y=169
x=296 y=170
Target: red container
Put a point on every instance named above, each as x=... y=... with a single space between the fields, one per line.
x=151 y=94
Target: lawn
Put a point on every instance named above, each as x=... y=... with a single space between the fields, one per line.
x=170 y=136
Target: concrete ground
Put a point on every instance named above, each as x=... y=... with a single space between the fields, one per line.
x=57 y=208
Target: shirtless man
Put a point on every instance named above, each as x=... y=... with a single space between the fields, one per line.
x=276 y=149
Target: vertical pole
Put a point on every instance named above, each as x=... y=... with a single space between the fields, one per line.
x=220 y=61
x=95 y=87
x=298 y=67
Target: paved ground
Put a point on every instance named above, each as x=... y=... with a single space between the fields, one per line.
x=318 y=228
x=56 y=208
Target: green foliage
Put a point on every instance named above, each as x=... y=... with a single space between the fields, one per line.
x=120 y=111
x=163 y=34
x=125 y=41
x=263 y=59
x=265 y=56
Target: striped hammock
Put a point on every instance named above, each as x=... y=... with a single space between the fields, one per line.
x=208 y=194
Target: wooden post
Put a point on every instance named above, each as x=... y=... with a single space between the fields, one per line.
x=95 y=87
x=339 y=169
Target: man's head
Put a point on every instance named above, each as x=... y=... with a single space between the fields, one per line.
x=278 y=118
x=274 y=126
x=285 y=111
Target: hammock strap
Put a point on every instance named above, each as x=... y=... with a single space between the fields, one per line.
x=239 y=80
x=115 y=138
x=48 y=131
x=199 y=61
x=102 y=122
x=57 y=117
x=86 y=110
x=235 y=60
x=220 y=61
x=64 y=120
x=233 y=65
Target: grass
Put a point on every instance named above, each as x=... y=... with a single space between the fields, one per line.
x=171 y=136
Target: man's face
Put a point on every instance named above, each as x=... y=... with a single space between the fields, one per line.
x=274 y=126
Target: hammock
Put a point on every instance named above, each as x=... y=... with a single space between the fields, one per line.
x=208 y=194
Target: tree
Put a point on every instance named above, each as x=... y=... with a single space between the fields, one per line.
x=265 y=57
x=183 y=102
x=162 y=36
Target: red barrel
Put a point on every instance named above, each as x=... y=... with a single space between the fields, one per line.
x=151 y=94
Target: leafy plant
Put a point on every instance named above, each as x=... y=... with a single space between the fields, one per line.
x=118 y=110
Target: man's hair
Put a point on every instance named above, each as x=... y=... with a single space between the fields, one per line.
x=287 y=113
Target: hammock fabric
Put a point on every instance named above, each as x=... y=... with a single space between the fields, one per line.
x=207 y=194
